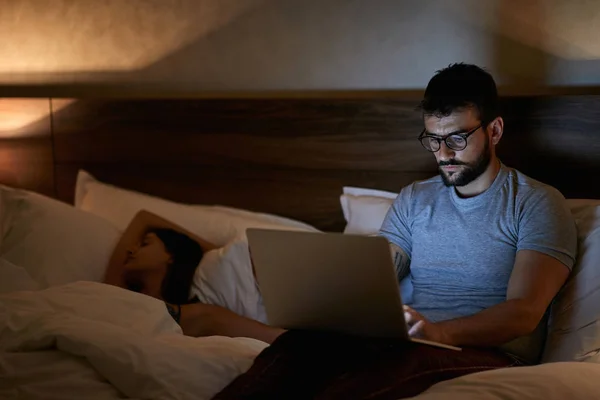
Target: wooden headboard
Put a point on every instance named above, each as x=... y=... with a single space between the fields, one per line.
x=285 y=156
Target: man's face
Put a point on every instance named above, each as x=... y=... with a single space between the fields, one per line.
x=459 y=168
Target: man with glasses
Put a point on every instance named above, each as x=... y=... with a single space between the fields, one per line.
x=484 y=247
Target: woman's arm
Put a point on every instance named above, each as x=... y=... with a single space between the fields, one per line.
x=208 y=320
x=195 y=319
x=139 y=225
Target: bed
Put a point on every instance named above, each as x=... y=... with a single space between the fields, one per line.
x=74 y=171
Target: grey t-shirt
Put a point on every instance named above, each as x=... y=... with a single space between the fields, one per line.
x=462 y=250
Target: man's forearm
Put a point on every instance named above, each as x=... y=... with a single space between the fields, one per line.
x=491 y=327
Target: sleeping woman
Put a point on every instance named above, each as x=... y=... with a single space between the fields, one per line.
x=159 y=259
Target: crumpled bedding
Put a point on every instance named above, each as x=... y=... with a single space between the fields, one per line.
x=129 y=340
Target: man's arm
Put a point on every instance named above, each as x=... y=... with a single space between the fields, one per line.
x=401 y=261
x=535 y=280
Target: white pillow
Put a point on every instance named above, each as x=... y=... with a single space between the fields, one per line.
x=574 y=325
x=259 y=218
x=357 y=191
x=365 y=214
x=365 y=209
x=216 y=224
x=225 y=278
x=53 y=241
x=15 y=279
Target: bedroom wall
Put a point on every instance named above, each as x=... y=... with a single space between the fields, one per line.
x=26 y=153
x=182 y=46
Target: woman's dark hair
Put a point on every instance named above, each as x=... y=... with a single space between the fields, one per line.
x=460 y=86
x=186 y=254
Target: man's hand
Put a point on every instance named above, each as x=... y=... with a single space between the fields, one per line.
x=419 y=327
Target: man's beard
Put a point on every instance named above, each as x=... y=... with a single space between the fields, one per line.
x=469 y=171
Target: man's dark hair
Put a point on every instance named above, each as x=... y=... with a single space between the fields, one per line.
x=461 y=86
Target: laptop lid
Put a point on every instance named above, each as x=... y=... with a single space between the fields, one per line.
x=327 y=281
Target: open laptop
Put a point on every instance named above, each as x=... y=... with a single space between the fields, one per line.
x=329 y=282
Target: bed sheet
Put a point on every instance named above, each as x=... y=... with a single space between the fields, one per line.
x=551 y=381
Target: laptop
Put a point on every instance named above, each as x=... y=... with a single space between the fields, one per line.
x=329 y=282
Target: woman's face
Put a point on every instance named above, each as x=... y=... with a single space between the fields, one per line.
x=149 y=255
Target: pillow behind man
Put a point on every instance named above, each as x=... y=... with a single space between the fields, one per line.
x=574 y=326
x=365 y=209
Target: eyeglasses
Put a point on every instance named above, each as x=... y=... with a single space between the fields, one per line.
x=455 y=141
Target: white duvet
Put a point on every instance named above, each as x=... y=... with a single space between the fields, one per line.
x=99 y=341
x=95 y=341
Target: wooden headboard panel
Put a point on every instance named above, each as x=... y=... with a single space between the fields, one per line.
x=289 y=157
x=292 y=156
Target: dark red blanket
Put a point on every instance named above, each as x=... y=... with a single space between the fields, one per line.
x=313 y=365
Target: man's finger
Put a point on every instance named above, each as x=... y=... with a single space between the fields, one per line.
x=412 y=311
x=416 y=329
x=412 y=317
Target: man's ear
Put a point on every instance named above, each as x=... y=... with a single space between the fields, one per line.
x=496 y=130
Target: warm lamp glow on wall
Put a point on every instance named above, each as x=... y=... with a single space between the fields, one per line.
x=18 y=114
x=564 y=29
x=66 y=36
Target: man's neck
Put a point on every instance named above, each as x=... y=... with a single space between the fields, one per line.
x=482 y=183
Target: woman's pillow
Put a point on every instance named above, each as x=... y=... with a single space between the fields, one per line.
x=216 y=224
x=225 y=278
x=55 y=243
x=256 y=218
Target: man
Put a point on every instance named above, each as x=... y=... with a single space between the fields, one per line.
x=484 y=247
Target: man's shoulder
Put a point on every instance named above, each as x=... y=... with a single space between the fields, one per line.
x=529 y=190
x=426 y=186
x=417 y=192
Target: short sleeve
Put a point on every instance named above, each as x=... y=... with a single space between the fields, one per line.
x=396 y=227
x=546 y=225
